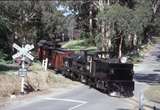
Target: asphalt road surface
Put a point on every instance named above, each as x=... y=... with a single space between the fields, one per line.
x=85 y=98
x=82 y=98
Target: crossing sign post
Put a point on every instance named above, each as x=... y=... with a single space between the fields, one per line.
x=23 y=52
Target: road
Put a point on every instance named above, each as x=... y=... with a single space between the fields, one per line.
x=148 y=71
x=85 y=98
x=82 y=98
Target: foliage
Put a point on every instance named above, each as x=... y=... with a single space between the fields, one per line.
x=3 y=56
x=78 y=44
x=84 y=35
x=82 y=10
x=29 y=20
x=119 y=18
x=125 y=21
x=4 y=41
x=75 y=44
x=132 y=21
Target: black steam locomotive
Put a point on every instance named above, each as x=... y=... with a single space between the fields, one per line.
x=109 y=75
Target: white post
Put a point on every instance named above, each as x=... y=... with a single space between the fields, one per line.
x=22 y=85
x=90 y=65
x=22 y=79
x=141 y=99
x=46 y=63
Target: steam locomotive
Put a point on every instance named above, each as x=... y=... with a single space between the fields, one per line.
x=111 y=75
x=108 y=75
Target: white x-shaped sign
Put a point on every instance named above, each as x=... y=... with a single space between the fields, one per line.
x=25 y=51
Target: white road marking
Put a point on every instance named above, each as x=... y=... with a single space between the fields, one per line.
x=77 y=106
x=70 y=100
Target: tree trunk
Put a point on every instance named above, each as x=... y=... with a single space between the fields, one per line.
x=135 y=40
x=155 y=6
x=105 y=29
x=107 y=37
x=120 y=46
x=90 y=22
x=108 y=2
x=101 y=9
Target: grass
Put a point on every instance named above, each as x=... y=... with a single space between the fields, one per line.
x=153 y=93
x=4 y=68
x=36 y=80
x=73 y=43
x=36 y=66
x=138 y=57
x=79 y=45
x=41 y=80
x=135 y=59
x=7 y=69
x=9 y=85
x=9 y=81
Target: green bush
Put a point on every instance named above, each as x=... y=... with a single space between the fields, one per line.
x=84 y=35
x=3 y=56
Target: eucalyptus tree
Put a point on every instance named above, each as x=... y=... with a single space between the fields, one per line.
x=84 y=12
x=29 y=20
x=4 y=32
x=124 y=22
x=118 y=18
x=28 y=17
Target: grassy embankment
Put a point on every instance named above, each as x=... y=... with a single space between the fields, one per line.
x=36 y=80
x=153 y=93
x=138 y=57
x=145 y=49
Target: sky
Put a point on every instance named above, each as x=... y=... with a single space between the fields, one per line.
x=65 y=10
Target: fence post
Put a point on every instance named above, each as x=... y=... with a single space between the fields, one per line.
x=45 y=65
x=141 y=99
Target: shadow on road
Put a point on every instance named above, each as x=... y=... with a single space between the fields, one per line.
x=158 y=58
x=148 y=78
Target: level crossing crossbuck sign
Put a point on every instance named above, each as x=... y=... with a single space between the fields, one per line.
x=23 y=51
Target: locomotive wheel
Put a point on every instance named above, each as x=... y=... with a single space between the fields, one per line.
x=97 y=84
x=91 y=82
x=115 y=90
x=100 y=85
x=65 y=73
x=74 y=77
x=128 y=93
x=83 y=79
